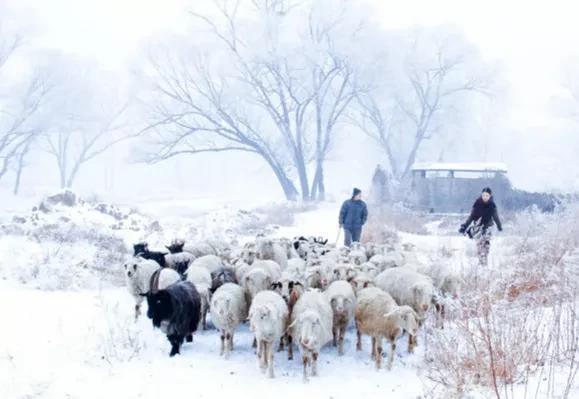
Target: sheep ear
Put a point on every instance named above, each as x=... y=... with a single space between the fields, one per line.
x=391 y=314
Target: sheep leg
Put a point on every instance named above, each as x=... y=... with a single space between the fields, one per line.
x=176 y=342
x=281 y=344
x=231 y=340
x=373 y=350
x=254 y=344
x=315 y=364
x=378 y=353
x=137 y=311
x=290 y=348
x=392 y=352
x=359 y=340
x=411 y=343
x=335 y=336
x=189 y=338
x=341 y=340
x=305 y=361
x=228 y=344
x=262 y=355
x=204 y=319
x=269 y=352
x=222 y=345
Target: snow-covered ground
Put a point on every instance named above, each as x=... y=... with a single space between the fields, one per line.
x=76 y=340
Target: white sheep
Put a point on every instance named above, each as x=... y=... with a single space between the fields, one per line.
x=360 y=282
x=179 y=261
x=369 y=269
x=318 y=276
x=228 y=310
x=260 y=276
x=410 y=288
x=248 y=253
x=446 y=280
x=378 y=316
x=342 y=299
x=357 y=256
x=139 y=276
x=390 y=259
x=343 y=272
x=213 y=263
x=267 y=249
x=268 y=318
x=201 y=278
x=407 y=287
x=311 y=328
x=296 y=266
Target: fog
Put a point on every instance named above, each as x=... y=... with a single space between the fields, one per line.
x=86 y=79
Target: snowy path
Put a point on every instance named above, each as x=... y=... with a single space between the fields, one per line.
x=75 y=345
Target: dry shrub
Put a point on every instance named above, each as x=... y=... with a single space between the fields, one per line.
x=386 y=220
x=515 y=328
x=264 y=218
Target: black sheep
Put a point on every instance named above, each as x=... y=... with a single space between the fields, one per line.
x=221 y=276
x=176 y=310
x=142 y=249
x=175 y=247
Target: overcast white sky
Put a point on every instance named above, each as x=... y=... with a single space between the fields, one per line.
x=531 y=39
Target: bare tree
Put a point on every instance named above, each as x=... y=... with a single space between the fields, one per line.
x=74 y=145
x=86 y=114
x=404 y=116
x=280 y=91
x=18 y=109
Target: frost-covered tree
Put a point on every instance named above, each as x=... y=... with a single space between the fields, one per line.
x=86 y=115
x=267 y=79
x=429 y=78
x=21 y=98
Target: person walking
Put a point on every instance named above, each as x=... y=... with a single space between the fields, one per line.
x=353 y=216
x=479 y=223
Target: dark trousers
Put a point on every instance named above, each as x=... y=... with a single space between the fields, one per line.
x=352 y=234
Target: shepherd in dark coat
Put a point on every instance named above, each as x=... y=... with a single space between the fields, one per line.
x=478 y=225
x=353 y=216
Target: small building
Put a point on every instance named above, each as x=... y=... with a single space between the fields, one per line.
x=452 y=187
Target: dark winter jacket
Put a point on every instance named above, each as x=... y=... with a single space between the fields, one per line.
x=353 y=214
x=486 y=212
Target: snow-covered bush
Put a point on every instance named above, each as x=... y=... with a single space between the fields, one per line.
x=516 y=323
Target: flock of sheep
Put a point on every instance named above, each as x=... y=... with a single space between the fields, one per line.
x=301 y=291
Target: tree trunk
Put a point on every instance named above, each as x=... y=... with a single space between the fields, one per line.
x=412 y=155
x=318 y=191
x=303 y=176
x=62 y=178
x=288 y=187
x=19 y=171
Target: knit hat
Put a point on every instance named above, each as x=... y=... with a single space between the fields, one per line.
x=356 y=192
x=487 y=190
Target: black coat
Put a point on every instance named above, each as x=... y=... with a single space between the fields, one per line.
x=486 y=212
x=353 y=214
